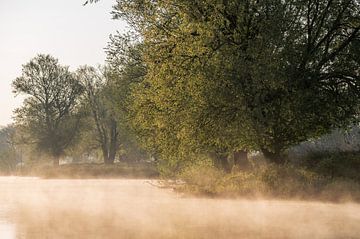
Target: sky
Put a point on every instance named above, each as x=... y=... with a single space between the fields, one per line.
x=65 y=29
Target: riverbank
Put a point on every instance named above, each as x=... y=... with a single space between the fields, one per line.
x=328 y=177
x=332 y=177
x=141 y=170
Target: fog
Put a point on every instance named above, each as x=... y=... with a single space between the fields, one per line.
x=37 y=208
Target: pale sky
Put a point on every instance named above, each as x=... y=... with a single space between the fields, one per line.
x=69 y=31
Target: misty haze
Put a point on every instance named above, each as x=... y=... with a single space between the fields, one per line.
x=179 y=119
x=135 y=209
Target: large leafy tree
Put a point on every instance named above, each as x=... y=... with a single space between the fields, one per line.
x=228 y=75
x=49 y=114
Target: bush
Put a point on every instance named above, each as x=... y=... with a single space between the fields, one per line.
x=201 y=177
x=267 y=180
x=335 y=165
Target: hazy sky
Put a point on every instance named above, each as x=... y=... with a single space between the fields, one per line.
x=71 y=32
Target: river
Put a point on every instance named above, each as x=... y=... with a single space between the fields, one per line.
x=32 y=208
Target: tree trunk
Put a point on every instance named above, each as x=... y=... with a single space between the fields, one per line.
x=241 y=158
x=105 y=154
x=56 y=161
x=274 y=157
x=112 y=155
x=113 y=142
x=221 y=162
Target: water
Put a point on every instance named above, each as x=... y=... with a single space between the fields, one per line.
x=32 y=208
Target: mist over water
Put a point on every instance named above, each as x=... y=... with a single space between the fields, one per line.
x=36 y=208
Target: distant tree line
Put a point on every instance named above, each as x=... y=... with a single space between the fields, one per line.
x=72 y=113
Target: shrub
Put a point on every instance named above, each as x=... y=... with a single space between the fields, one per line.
x=267 y=180
x=335 y=165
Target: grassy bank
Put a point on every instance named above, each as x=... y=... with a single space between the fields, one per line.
x=326 y=177
x=90 y=170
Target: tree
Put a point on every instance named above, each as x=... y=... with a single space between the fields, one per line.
x=49 y=114
x=99 y=101
x=8 y=154
x=232 y=75
x=124 y=54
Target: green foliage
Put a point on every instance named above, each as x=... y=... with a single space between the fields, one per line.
x=242 y=74
x=124 y=55
x=49 y=114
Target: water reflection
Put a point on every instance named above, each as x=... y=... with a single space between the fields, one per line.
x=7 y=231
x=34 y=208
